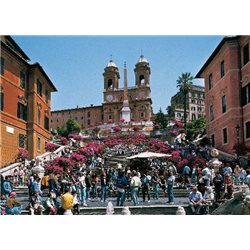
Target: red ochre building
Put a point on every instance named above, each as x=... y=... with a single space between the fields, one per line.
x=227 y=93
x=139 y=99
x=25 y=103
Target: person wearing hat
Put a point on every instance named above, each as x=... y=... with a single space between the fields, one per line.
x=12 y=206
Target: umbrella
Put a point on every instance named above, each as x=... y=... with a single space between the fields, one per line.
x=149 y=155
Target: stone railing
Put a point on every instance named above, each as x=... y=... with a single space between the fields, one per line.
x=44 y=157
x=9 y=169
x=51 y=155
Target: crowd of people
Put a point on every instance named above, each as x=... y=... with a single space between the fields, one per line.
x=68 y=192
x=95 y=180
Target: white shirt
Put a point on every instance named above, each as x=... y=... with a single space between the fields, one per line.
x=82 y=181
x=208 y=196
x=135 y=182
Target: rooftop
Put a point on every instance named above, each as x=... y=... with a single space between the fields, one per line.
x=215 y=52
x=142 y=59
x=111 y=64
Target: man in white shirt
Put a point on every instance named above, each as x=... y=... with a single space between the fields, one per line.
x=195 y=198
x=135 y=184
x=208 y=198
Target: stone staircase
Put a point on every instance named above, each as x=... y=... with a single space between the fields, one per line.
x=22 y=195
x=114 y=160
x=23 y=198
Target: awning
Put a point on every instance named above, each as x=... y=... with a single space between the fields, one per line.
x=149 y=155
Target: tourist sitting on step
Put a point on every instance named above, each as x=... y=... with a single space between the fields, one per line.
x=50 y=204
x=36 y=204
x=195 y=198
x=208 y=199
x=12 y=206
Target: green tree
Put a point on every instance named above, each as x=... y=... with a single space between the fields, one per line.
x=184 y=84
x=62 y=131
x=72 y=126
x=195 y=127
x=161 y=119
x=170 y=111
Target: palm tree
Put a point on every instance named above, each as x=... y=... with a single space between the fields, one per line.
x=184 y=83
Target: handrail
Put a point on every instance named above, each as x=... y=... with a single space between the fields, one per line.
x=5 y=171
x=45 y=157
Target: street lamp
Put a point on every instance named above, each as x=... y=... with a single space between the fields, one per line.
x=238 y=141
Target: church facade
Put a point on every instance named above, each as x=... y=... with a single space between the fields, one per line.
x=137 y=100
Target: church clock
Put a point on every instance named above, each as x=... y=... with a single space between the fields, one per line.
x=109 y=98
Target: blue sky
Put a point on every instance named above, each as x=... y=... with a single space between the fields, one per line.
x=75 y=63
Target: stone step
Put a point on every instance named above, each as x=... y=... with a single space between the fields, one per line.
x=135 y=210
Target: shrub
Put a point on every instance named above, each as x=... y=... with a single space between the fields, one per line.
x=23 y=154
x=75 y=137
x=51 y=147
x=117 y=128
x=59 y=165
x=64 y=141
x=76 y=157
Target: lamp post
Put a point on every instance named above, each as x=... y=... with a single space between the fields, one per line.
x=238 y=141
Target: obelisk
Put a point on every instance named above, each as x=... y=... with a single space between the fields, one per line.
x=125 y=113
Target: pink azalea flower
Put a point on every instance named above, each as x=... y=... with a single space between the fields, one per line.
x=23 y=154
x=51 y=147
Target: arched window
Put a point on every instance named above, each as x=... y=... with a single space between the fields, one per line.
x=142 y=79
x=110 y=84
